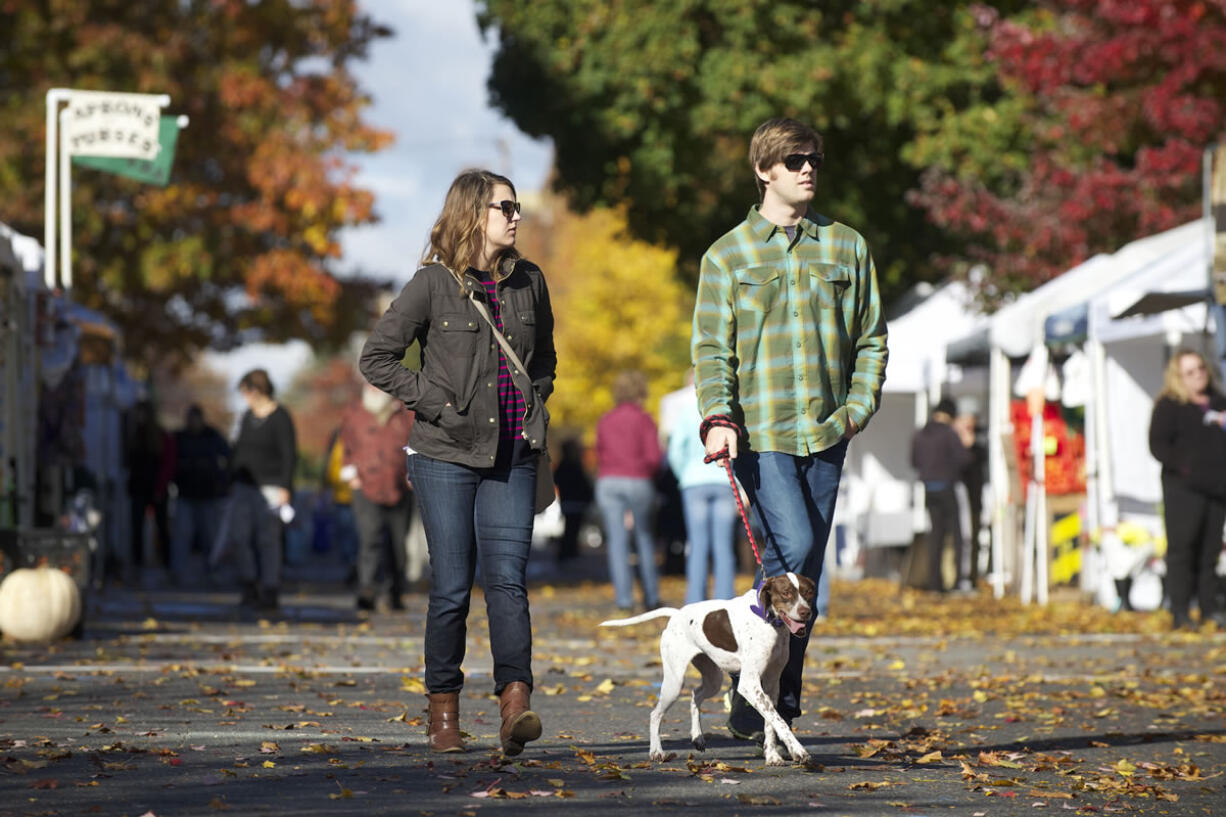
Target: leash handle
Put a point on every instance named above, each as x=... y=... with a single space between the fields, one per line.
x=722 y=456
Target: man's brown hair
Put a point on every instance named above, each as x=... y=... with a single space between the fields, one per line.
x=776 y=138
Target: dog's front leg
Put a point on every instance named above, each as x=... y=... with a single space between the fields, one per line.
x=770 y=683
x=750 y=687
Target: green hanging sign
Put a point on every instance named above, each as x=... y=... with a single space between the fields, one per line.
x=153 y=171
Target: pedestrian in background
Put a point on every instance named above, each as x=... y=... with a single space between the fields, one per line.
x=151 y=461
x=789 y=351
x=710 y=510
x=201 y=477
x=575 y=496
x=374 y=432
x=337 y=503
x=973 y=477
x=480 y=427
x=939 y=455
x=265 y=454
x=1187 y=435
x=627 y=456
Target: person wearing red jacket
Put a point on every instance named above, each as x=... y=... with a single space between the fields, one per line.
x=373 y=434
x=628 y=453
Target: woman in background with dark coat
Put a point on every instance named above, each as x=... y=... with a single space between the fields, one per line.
x=1187 y=436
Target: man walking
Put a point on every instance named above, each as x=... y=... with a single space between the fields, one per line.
x=789 y=350
x=939 y=455
x=202 y=465
x=374 y=432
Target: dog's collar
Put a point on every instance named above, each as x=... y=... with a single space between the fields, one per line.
x=758 y=610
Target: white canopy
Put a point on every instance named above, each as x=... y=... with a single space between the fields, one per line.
x=918 y=339
x=1133 y=356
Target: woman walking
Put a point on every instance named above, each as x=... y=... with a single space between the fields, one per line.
x=481 y=423
x=1186 y=435
x=628 y=454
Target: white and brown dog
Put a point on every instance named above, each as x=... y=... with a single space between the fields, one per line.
x=748 y=634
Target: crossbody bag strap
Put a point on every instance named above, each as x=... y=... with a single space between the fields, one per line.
x=502 y=341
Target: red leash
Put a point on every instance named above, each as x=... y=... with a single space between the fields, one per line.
x=736 y=493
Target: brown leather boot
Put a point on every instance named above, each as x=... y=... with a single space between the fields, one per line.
x=519 y=723
x=444 y=726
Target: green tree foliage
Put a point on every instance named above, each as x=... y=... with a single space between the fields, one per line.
x=243 y=242
x=652 y=105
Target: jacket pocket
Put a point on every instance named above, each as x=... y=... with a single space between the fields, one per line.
x=458 y=338
x=757 y=288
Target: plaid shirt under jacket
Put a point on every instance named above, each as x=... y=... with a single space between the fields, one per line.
x=789 y=337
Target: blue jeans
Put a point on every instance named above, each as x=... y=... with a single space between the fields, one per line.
x=710 y=513
x=476 y=515
x=793 y=502
x=194 y=527
x=615 y=496
x=345 y=532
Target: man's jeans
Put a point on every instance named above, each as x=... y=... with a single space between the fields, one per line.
x=615 y=496
x=381 y=530
x=476 y=515
x=710 y=512
x=793 y=503
x=195 y=526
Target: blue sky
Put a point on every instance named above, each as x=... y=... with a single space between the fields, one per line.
x=428 y=84
x=428 y=87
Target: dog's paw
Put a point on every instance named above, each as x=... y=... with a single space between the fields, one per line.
x=801 y=757
x=699 y=743
x=661 y=756
x=775 y=759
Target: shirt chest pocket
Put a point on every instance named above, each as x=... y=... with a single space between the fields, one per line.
x=758 y=288
x=830 y=282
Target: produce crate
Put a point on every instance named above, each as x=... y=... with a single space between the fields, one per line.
x=70 y=552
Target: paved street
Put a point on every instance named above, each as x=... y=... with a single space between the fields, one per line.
x=174 y=705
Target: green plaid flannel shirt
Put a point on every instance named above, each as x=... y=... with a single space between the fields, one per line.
x=789 y=337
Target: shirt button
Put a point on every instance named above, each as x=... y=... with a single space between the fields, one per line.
x=794 y=314
x=491 y=346
x=489 y=385
x=493 y=420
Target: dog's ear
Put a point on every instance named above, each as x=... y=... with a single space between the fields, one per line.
x=808 y=590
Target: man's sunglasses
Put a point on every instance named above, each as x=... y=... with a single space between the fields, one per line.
x=795 y=161
x=509 y=208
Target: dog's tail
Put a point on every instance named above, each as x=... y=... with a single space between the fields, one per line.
x=659 y=612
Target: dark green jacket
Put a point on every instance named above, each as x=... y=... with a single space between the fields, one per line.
x=455 y=395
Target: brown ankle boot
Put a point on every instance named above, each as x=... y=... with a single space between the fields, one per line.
x=519 y=723
x=444 y=726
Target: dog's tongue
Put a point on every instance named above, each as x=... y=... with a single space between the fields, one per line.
x=793 y=626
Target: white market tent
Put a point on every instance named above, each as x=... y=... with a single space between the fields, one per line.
x=1128 y=355
x=1017 y=330
x=883 y=503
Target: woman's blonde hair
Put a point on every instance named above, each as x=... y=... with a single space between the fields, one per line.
x=630 y=386
x=459 y=232
x=1172 y=380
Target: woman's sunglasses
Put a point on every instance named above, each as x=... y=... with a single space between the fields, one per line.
x=509 y=208
x=795 y=161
